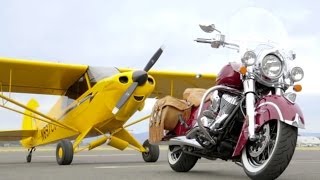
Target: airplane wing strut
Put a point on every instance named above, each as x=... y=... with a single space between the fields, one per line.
x=49 y=119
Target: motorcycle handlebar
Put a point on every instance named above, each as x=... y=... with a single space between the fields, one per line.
x=216 y=43
x=203 y=40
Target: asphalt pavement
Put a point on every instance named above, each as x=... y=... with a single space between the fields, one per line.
x=128 y=164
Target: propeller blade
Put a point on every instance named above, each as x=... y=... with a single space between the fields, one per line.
x=139 y=78
x=125 y=97
x=154 y=59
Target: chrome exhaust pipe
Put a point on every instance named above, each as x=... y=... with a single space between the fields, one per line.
x=181 y=141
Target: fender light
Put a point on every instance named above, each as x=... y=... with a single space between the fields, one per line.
x=243 y=70
x=290 y=96
x=297 y=88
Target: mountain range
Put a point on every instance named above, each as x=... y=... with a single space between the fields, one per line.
x=141 y=137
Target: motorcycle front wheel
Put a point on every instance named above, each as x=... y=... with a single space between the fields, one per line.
x=270 y=155
x=180 y=161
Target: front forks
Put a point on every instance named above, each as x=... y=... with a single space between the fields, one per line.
x=249 y=90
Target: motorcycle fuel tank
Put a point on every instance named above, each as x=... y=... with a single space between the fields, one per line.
x=230 y=76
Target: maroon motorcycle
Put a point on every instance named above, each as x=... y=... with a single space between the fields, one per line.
x=249 y=117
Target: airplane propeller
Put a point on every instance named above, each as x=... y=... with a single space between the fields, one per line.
x=154 y=59
x=139 y=78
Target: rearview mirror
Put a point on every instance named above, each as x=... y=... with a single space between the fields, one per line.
x=208 y=28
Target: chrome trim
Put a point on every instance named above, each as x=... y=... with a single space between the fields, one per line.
x=248 y=85
x=204 y=97
x=214 y=88
x=261 y=54
x=275 y=106
x=279 y=91
x=247 y=56
x=181 y=141
x=249 y=89
x=280 y=58
x=250 y=110
x=296 y=122
x=290 y=96
x=291 y=76
x=250 y=72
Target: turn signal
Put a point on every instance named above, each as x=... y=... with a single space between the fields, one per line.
x=297 y=88
x=243 y=70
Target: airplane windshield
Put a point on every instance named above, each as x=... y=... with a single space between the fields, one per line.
x=95 y=74
x=98 y=73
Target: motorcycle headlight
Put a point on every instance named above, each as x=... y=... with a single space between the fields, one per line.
x=271 y=66
x=296 y=74
x=249 y=58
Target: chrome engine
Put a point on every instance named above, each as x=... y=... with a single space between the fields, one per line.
x=214 y=117
x=219 y=110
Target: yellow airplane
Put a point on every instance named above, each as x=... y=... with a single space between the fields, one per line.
x=95 y=101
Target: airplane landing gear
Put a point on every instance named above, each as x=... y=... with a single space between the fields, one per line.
x=29 y=156
x=64 y=152
x=152 y=153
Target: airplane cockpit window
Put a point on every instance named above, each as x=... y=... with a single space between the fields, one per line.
x=77 y=89
x=98 y=73
x=95 y=74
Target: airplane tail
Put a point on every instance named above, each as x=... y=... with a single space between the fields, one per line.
x=29 y=123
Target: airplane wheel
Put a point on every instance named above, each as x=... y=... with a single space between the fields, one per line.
x=29 y=158
x=64 y=152
x=152 y=154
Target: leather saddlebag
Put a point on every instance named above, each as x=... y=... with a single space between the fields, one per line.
x=194 y=95
x=165 y=116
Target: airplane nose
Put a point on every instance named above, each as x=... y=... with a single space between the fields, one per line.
x=140 y=77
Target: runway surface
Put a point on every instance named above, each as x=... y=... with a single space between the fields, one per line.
x=128 y=164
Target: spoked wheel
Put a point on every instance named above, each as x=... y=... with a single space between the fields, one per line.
x=64 y=152
x=270 y=155
x=152 y=153
x=180 y=161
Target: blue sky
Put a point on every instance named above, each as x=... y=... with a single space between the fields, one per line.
x=126 y=33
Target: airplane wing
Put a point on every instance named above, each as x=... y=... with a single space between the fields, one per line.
x=38 y=77
x=174 y=83
x=15 y=135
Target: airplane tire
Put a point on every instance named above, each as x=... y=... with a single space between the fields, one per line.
x=152 y=154
x=64 y=152
x=29 y=157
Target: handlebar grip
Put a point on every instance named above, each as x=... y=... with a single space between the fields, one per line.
x=203 y=40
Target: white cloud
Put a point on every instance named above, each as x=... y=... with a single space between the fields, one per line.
x=295 y=15
x=126 y=33
x=308 y=50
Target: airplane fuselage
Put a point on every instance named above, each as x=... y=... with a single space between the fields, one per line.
x=92 y=111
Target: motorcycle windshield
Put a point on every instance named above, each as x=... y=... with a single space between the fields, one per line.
x=256 y=29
